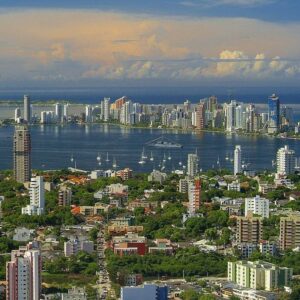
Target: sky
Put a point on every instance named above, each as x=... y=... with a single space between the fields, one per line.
x=93 y=43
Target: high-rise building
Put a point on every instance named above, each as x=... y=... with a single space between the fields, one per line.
x=66 y=111
x=258 y=206
x=238 y=160
x=212 y=103
x=230 y=113
x=23 y=274
x=64 y=196
x=192 y=165
x=37 y=197
x=289 y=237
x=285 y=161
x=88 y=114
x=106 y=109
x=27 y=109
x=194 y=193
x=200 y=115
x=17 y=115
x=259 y=275
x=59 y=113
x=274 y=114
x=145 y=292
x=22 y=154
x=249 y=229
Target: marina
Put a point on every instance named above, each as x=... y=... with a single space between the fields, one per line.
x=91 y=147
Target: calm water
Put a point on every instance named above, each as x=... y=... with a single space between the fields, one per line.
x=52 y=147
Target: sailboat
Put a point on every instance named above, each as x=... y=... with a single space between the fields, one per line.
x=142 y=161
x=164 y=159
x=114 y=165
x=107 y=159
x=144 y=156
x=227 y=156
x=72 y=158
x=169 y=157
x=151 y=157
x=98 y=157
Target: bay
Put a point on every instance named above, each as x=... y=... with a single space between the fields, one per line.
x=53 y=146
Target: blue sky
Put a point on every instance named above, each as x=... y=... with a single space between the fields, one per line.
x=193 y=42
x=271 y=10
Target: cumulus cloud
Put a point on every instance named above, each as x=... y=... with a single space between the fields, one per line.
x=121 y=46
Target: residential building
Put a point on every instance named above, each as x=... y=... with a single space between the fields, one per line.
x=74 y=246
x=249 y=229
x=157 y=176
x=22 y=154
x=289 y=237
x=59 y=113
x=145 y=292
x=23 y=274
x=259 y=275
x=27 y=109
x=17 y=115
x=286 y=161
x=75 y=293
x=194 y=194
x=237 y=160
x=274 y=114
x=64 y=196
x=192 y=165
x=258 y=206
x=37 y=197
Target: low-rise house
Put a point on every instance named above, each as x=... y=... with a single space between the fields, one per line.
x=162 y=245
x=23 y=234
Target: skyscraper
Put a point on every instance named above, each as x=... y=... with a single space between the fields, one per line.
x=194 y=193
x=27 y=109
x=88 y=113
x=200 y=115
x=22 y=154
x=274 y=114
x=285 y=161
x=59 y=115
x=37 y=197
x=23 y=274
x=192 y=165
x=237 y=160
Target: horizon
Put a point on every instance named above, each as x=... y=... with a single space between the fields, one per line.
x=232 y=43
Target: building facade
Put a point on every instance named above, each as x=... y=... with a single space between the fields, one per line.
x=258 y=275
x=22 y=154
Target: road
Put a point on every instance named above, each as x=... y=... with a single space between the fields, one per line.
x=104 y=285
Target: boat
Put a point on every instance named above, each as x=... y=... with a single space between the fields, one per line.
x=142 y=160
x=107 y=159
x=72 y=158
x=144 y=156
x=114 y=165
x=163 y=142
x=151 y=157
x=98 y=157
x=169 y=157
x=164 y=159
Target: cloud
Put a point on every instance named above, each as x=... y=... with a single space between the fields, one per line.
x=118 y=46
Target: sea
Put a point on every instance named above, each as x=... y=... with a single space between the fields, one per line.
x=54 y=146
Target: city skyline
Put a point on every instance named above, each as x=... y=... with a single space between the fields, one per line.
x=221 y=42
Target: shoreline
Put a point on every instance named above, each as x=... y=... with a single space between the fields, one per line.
x=176 y=130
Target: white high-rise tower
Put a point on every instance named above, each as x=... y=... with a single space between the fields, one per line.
x=286 y=161
x=237 y=160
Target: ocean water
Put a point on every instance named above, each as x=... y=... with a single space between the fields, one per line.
x=53 y=146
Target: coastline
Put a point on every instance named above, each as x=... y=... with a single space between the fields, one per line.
x=174 y=130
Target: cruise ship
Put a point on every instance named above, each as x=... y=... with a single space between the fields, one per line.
x=163 y=142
